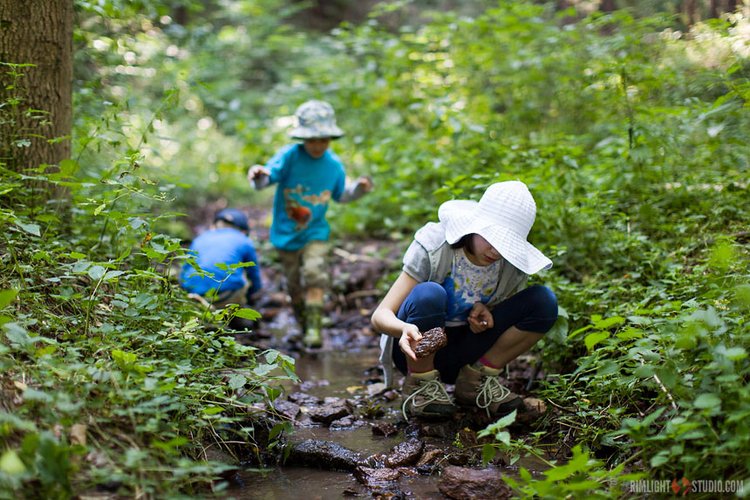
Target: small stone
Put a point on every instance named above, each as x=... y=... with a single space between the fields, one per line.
x=462 y=483
x=431 y=457
x=286 y=409
x=329 y=412
x=384 y=429
x=372 y=477
x=405 y=453
x=323 y=455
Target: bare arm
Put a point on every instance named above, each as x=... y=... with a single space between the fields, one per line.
x=384 y=318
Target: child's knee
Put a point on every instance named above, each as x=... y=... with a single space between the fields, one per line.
x=425 y=305
x=430 y=292
x=544 y=305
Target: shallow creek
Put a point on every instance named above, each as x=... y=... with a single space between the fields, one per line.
x=337 y=374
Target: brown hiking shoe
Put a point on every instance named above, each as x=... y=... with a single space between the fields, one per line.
x=425 y=397
x=482 y=388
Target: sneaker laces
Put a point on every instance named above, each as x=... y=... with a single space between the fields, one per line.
x=491 y=391
x=433 y=392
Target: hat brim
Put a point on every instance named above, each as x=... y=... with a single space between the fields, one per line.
x=316 y=133
x=459 y=218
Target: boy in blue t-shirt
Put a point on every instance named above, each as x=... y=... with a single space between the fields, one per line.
x=225 y=244
x=309 y=176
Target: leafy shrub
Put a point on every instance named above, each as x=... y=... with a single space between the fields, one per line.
x=108 y=375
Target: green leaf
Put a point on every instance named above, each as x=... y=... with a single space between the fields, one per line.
x=36 y=395
x=113 y=274
x=506 y=420
x=247 y=313
x=644 y=371
x=123 y=359
x=97 y=272
x=575 y=333
x=11 y=464
x=733 y=353
x=16 y=422
x=237 y=381
x=17 y=334
x=7 y=296
x=609 y=322
x=659 y=459
x=707 y=400
x=488 y=453
x=212 y=410
x=594 y=338
x=629 y=334
x=496 y=427
x=263 y=369
x=68 y=167
x=29 y=228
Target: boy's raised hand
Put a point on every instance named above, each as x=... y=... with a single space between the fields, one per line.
x=365 y=183
x=257 y=171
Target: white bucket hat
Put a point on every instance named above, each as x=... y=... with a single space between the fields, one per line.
x=503 y=216
x=315 y=120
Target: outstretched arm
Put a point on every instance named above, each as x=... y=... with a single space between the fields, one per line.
x=384 y=318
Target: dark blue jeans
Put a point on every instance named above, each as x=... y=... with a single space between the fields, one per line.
x=533 y=309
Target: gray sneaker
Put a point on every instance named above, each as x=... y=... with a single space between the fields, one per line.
x=483 y=388
x=425 y=397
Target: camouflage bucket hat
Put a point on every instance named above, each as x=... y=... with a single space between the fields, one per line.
x=315 y=120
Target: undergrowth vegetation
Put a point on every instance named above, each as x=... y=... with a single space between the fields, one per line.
x=631 y=133
x=109 y=377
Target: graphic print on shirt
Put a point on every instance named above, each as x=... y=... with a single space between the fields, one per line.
x=468 y=284
x=298 y=206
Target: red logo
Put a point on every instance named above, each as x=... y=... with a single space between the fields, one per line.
x=683 y=485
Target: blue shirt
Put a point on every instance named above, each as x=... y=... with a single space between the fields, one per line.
x=221 y=246
x=305 y=187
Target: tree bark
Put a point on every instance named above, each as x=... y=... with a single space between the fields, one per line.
x=36 y=117
x=690 y=9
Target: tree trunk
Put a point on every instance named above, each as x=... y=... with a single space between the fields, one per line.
x=36 y=116
x=713 y=9
x=690 y=8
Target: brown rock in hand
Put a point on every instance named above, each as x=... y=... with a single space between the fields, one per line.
x=432 y=341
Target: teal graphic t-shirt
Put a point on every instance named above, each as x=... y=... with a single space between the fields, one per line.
x=306 y=185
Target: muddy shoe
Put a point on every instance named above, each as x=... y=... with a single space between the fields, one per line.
x=312 y=336
x=425 y=397
x=482 y=388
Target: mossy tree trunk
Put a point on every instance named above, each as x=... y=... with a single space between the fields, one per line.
x=36 y=38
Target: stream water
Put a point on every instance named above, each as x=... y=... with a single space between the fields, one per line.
x=328 y=373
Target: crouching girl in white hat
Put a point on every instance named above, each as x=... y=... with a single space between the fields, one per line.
x=467 y=273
